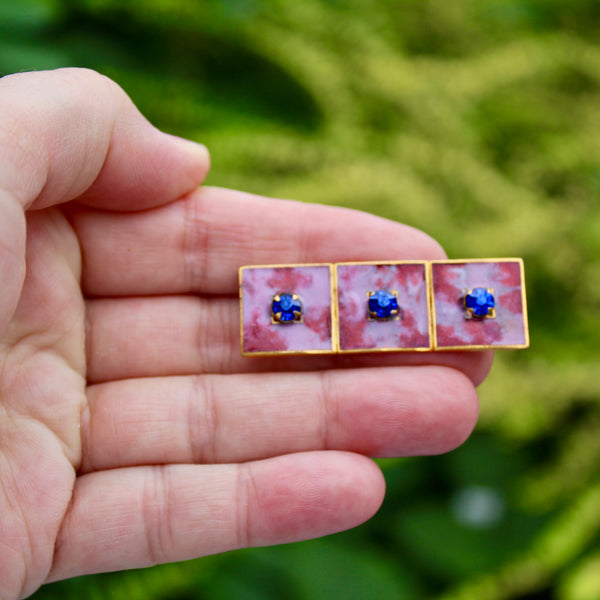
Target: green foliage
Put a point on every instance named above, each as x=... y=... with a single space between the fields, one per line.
x=477 y=121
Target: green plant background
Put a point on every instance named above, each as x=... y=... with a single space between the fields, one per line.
x=477 y=121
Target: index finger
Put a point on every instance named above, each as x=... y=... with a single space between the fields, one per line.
x=197 y=244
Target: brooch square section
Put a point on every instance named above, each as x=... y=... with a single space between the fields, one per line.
x=286 y=309
x=382 y=306
x=479 y=304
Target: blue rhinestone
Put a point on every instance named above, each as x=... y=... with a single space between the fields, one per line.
x=286 y=302
x=382 y=305
x=286 y=309
x=480 y=301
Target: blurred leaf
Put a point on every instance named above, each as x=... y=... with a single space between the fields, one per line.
x=324 y=570
x=20 y=16
x=582 y=582
x=452 y=551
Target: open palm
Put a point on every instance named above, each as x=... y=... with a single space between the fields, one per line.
x=132 y=432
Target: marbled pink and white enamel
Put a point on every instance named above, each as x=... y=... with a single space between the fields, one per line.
x=312 y=284
x=357 y=332
x=507 y=329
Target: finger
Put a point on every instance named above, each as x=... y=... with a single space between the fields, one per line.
x=199 y=243
x=12 y=255
x=215 y=419
x=165 y=514
x=74 y=133
x=183 y=335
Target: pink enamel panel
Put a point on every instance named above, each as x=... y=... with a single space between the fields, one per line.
x=357 y=332
x=508 y=328
x=312 y=284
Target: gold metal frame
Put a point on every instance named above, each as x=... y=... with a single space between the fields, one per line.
x=432 y=325
x=333 y=305
x=463 y=348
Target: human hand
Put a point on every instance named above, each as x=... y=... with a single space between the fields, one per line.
x=132 y=432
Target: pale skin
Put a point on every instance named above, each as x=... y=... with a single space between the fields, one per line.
x=132 y=431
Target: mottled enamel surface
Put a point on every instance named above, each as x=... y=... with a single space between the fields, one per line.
x=313 y=286
x=357 y=332
x=453 y=330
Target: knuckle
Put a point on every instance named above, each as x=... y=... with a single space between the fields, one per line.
x=156 y=515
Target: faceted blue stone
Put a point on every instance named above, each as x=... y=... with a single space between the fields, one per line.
x=480 y=301
x=286 y=302
x=383 y=305
x=287 y=305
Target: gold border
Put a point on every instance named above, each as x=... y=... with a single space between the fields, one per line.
x=437 y=348
x=335 y=316
x=431 y=307
x=332 y=296
x=381 y=262
x=428 y=348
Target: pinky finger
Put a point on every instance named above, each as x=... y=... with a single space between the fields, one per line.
x=141 y=516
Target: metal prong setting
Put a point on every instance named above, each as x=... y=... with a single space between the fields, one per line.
x=476 y=312
x=286 y=308
x=383 y=308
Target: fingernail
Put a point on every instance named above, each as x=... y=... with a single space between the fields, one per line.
x=199 y=151
x=196 y=148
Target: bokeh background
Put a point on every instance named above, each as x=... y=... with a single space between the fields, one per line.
x=477 y=121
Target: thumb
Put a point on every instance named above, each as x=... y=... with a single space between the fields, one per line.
x=74 y=134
